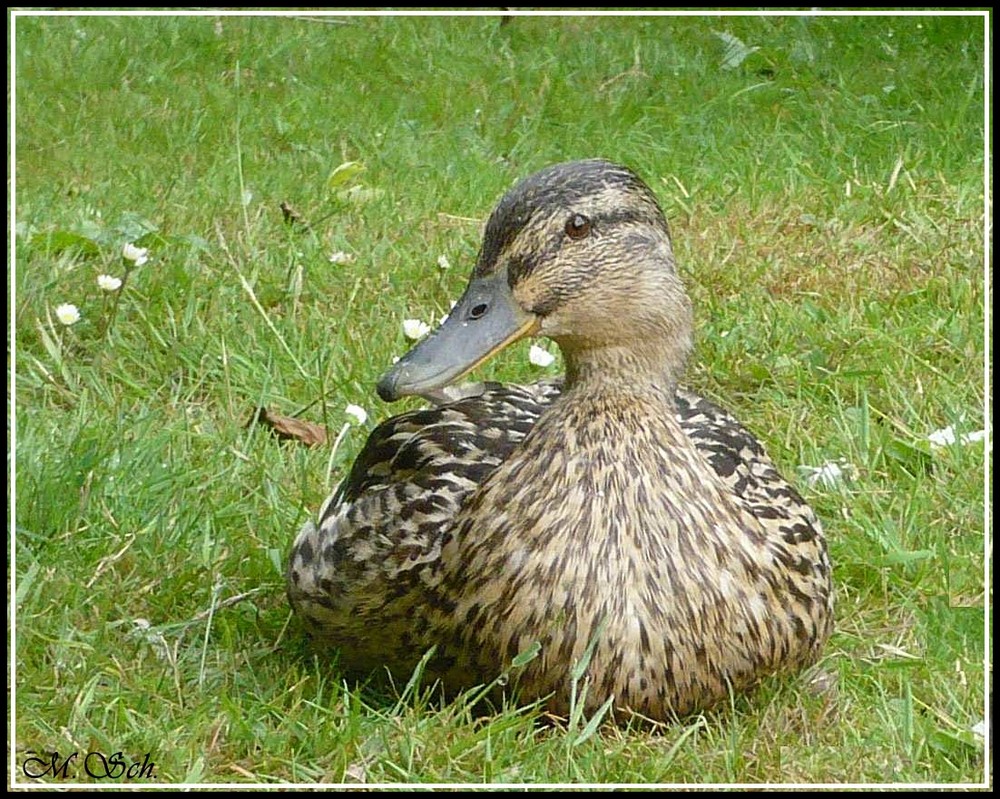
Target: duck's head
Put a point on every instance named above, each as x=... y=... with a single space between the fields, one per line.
x=579 y=253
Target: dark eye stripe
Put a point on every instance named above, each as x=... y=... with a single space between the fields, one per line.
x=521 y=265
x=629 y=215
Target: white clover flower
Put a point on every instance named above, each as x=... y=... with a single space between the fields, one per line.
x=67 y=313
x=109 y=283
x=138 y=255
x=979 y=728
x=829 y=475
x=357 y=412
x=415 y=328
x=942 y=438
x=946 y=437
x=443 y=262
x=540 y=356
x=969 y=438
x=341 y=257
x=143 y=629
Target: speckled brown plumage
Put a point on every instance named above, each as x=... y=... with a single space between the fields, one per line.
x=617 y=509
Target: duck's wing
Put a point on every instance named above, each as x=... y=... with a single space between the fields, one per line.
x=743 y=464
x=461 y=440
x=357 y=572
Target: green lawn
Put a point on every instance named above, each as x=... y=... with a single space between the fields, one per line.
x=824 y=182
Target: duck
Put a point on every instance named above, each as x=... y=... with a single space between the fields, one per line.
x=609 y=528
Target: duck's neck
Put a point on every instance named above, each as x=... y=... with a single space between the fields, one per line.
x=641 y=368
x=630 y=346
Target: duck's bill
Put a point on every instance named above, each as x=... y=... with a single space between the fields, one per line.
x=484 y=321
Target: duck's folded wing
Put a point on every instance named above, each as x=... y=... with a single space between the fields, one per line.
x=743 y=464
x=459 y=443
x=356 y=573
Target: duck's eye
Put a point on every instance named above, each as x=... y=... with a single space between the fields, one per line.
x=478 y=311
x=578 y=227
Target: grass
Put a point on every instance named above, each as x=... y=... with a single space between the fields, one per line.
x=826 y=200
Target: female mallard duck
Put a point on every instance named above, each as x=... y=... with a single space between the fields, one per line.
x=616 y=510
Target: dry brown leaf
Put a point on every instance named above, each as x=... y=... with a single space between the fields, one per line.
x=288 y=428
x=292 y=217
